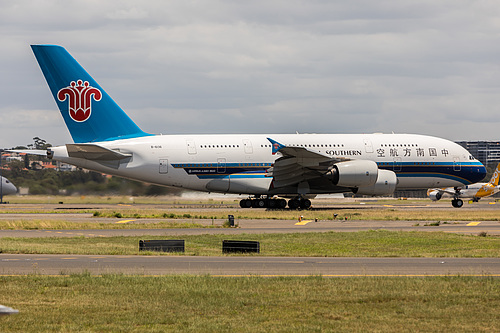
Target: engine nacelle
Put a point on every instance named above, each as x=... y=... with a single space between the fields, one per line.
x=434 y=195
x=355 y=173
x=386 y=184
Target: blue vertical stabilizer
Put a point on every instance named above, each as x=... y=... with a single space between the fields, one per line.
x=90 y=114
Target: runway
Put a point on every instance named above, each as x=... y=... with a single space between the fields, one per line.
x=247 y=266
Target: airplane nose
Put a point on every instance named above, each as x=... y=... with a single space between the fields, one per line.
x=7 y=187
x=479 y=174
x=12 y=188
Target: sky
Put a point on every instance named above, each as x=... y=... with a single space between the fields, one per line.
x=212 y=67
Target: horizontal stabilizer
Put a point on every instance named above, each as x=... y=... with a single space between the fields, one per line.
x=94 y=152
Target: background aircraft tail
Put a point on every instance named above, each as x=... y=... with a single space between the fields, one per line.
x=496 y=176
x=88 y=111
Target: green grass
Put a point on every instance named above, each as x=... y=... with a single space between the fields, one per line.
x=111 y=224
x=117 y=303
x=378 y=243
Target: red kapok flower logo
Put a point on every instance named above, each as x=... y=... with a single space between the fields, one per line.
x=79 y=97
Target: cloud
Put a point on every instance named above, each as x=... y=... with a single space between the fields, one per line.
x=266 y=67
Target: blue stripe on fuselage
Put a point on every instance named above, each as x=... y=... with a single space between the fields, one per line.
x=470 y=172
x=466 y=172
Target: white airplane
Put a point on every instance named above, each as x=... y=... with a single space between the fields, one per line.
x=6 y=187
x=5 y=310
x=267 y=168
x=474 y=191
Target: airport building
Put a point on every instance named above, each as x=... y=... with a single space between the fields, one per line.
x=487 y=152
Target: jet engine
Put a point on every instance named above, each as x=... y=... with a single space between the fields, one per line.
x=355 y=173
x=434 y=195
x=386 y=184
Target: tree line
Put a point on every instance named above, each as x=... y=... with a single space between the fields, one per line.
x=50 y=181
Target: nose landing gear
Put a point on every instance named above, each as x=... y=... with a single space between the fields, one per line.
x=457 y=203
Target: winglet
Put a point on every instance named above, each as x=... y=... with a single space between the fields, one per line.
x=276 y=145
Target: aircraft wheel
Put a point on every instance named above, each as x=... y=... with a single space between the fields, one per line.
x=246 y=203
x=305 y=204
x=293 y=204
x=281 y=203
x=272 y=203
x=457 y=203
x=259 y=203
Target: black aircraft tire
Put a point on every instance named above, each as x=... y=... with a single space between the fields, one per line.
x=305 y=204
x=457 y=203
x=246 y=203
x=281 y=203
x=293 y=204
x=259 y=203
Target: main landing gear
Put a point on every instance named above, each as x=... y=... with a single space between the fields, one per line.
x=295 y=203
x=263 y=203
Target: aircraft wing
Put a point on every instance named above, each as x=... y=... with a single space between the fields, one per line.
x=94 y=152
x=447 y=190
x=297 y=164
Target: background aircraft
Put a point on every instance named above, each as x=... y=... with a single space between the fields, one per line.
x=5 y=310
x=264 y=167
x=474 y=191
x=6 y=187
